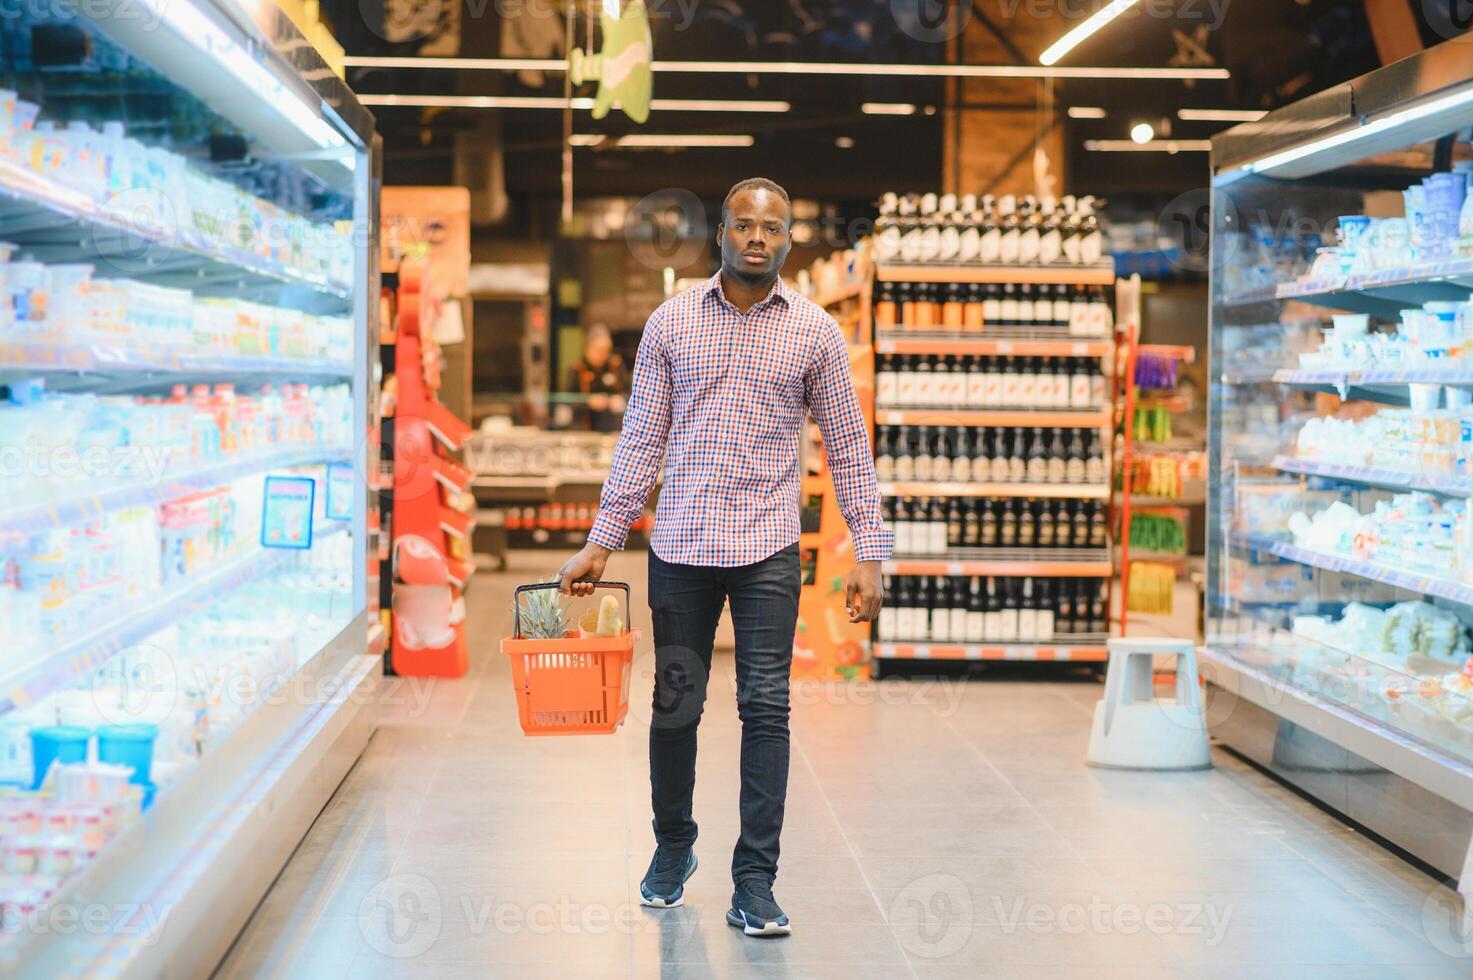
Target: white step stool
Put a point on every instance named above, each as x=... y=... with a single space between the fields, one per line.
x=1133 y=729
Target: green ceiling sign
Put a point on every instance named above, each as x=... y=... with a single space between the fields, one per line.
x=622 y=68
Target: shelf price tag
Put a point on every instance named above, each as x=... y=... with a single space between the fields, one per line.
x=340 y=491
x=286 y=512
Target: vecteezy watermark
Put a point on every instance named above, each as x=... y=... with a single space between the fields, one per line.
x=1212 y=12
x=95 y=11
x=42 y=463
x=933 y=917
x=1449 y=19
x=667 y=229
x=1101 y=917
x=404 y=915
x=142 y=922
x=1447 y=922
x=931 y=21
x=401 y=916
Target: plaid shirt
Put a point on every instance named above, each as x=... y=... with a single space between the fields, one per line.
x=722 y=398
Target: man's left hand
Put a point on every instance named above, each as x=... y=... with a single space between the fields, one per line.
x=866 y=593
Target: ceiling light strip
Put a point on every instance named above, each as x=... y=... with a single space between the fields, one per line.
x=1150 y=146
x=550 y=102
x=801 y=68
x=1079 y=34
x=1086 y=112
x=1220 y=115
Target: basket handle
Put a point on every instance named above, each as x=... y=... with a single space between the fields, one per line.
x=516 y=601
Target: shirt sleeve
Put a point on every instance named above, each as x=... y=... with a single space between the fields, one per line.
x=829 y=392
x=641 y=448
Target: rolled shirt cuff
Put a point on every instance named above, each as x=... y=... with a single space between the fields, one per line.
x=874 y=545
x=607 y=532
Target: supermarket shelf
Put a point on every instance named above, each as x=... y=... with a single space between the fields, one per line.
x=990 y=346
x=51 y=668
x=1459 y=375
x=1448 y=485
x=1431 y=585
x=1083 y=650
x=1103 y=568
x=118 y=369
x=1147 y=500
x=75 y=508
x=1158 y=557
x=1251 y=297
x=1102 y=274
x=1070 y=490
x=849 y=291
x=1175 y=404
x=1179 y=352
x=1387 y=292
x=999 y=417
x=30 y=206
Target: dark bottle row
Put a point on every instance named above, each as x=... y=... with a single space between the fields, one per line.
x=958 y=609
x=972 y=382
x=966 y=308
x=961 y=454
x=933 y=526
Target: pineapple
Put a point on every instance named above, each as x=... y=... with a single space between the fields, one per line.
x=543 y=615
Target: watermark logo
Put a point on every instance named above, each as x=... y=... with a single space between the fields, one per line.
x=933 y=917
x=138 y=685
x=401 y=916
x=1185 y=226
x=931 y=21
x=1100 y=917
x=1447 y=922
x=402 y=21
x=140 y=234
x=1449 y=19
x=667 y=229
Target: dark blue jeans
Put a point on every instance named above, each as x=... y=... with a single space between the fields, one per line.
x=685 y=602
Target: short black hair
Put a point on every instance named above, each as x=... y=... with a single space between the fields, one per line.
x=752 y=184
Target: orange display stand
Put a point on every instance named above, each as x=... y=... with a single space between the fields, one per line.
x=427 y=640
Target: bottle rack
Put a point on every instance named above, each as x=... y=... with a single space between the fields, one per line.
x=1005 y=372
x=431 y=520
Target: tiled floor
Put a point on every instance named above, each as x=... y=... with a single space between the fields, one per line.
x=934 y=829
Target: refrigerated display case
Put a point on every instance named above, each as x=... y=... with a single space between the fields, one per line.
x=188 y=202
x=1340 y=551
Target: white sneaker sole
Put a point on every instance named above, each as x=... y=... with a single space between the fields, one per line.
x=766 y=929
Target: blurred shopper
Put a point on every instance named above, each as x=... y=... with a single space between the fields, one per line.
x=724 y=379
x=602 y=379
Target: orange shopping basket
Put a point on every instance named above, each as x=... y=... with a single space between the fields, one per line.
x=574 y=685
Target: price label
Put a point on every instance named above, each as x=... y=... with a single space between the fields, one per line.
x=286 y=512
x=340 y=491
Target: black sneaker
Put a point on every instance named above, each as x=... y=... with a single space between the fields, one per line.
x=664 y=883
x=754 y=911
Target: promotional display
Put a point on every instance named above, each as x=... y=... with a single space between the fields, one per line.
x=182 y=511
x=1340 y=572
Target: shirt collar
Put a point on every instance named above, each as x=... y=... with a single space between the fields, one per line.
x=781 y=292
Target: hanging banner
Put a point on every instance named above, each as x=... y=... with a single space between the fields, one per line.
x=622 y=68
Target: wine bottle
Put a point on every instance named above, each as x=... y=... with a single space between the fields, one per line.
x=971 y=526
x=1094 y=458
x=887 y=381
x=941 y=456
x=1046 y=524
x=885 y=625
x=1044 y=626
x=1007 y=525
x=1037 y=464
x=884 y=455
x=992 y=620
x=925 y=383
x=953 y=524
x=1027 y=525
x=976 y=387
x=958 y=611
x=992 y=382
x=1074 y=468
x=905 y=464
x=923 y=454
x=1018 y=457
x=936 y=521
x=1010 y=604
x=1058 y=457
x=941 y=613
x=976 y=613
x=988 y=525
x=1027 y=614
x=905 y=382
x=904 y=542
x=905 y=602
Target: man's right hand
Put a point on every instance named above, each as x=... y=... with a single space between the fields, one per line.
x=579 y=572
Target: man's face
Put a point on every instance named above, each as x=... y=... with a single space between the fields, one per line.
x=755 y=235
x=597 y=350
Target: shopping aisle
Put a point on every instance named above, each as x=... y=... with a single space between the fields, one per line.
x=933 y=830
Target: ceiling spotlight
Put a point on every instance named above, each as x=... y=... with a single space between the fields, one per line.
x=844 y=142
x=1142 y=133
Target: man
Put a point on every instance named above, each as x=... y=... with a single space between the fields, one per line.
x=725 y=375
x=599 y=376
